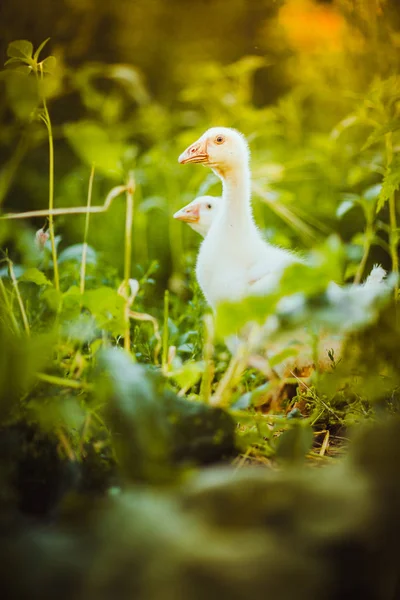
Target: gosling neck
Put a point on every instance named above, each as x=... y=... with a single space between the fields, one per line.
x=236 y=186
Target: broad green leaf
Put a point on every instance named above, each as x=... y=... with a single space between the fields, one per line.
x=74 y=253
x=95 y=145
x=188 y=375
x=102 y=299
x=49 y=65
x=108 y=308
x=53 y=298
x=21 y=49
x=255 y=397
x=12 y=61
x=35 y=276
x=71 y=304
x=83 y=329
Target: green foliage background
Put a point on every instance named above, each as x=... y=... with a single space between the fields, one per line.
x=111 y=377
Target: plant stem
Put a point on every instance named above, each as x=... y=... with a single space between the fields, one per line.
x=394 y=235
x=19 y=297
x=47 y=122
x=130 y=188
x=165 y=333
x=369 y=234
x=61 y=381
x=85 y=235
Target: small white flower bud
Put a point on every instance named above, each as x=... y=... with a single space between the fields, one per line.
x=41 y=238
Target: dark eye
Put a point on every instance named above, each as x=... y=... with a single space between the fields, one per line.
x=209 y=206
x=219 y=139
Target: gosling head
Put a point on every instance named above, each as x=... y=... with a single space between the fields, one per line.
x=199 y=214
x=221 y=148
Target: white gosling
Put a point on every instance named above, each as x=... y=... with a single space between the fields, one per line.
x=234 y=260
x=200 y=213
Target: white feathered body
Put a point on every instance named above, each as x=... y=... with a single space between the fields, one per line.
x=234 y=260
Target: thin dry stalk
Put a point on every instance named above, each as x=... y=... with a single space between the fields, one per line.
x=76 y=210
x=64 y=442
x=324 y=444
x=230 y=378
x=63 y=382
x=130 y=188
x=86 y=232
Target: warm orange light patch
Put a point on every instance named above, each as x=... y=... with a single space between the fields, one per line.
x=311 y=26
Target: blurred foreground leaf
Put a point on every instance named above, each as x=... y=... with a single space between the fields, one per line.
x=21 y=358
x=152 y=428
x=139 y=430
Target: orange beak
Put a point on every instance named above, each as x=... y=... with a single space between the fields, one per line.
x=196 y=153
x=188 y=214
